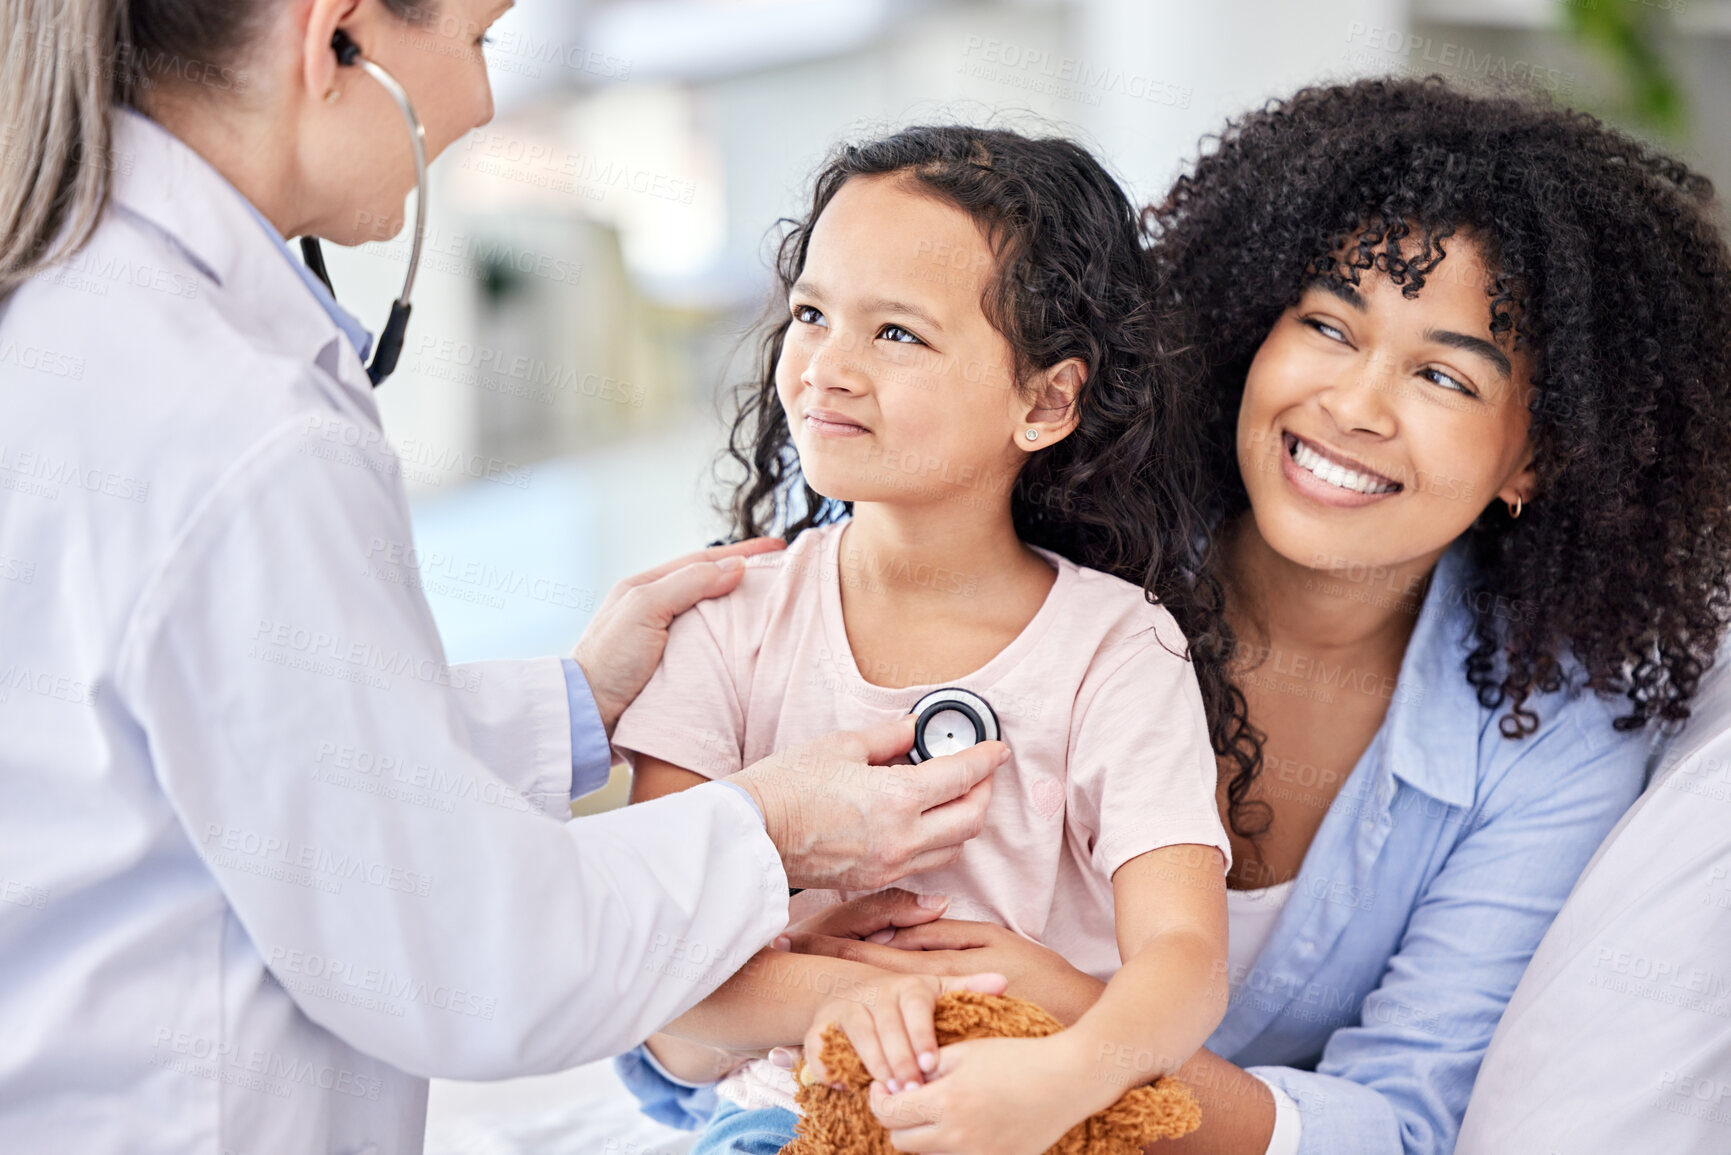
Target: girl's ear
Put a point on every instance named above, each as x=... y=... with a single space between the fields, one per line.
x=1053 y=415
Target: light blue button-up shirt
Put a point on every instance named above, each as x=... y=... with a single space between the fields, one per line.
x=1443 y=860
x=1441 y=863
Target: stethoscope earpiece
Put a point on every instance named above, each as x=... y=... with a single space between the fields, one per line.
x=950 y=720
x=346 y=49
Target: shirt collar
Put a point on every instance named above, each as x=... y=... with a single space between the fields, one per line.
x=1435 y=720
x=160 y=178
x=357 y=333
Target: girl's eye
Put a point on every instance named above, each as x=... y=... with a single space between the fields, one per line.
x=1447 y=381
x=1325 y=329
x=807 y=315
x=899 y=335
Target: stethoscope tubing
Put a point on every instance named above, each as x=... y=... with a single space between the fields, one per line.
x=390 y=340
x=418 y=138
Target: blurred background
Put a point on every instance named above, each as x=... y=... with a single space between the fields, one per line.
x=597 y=259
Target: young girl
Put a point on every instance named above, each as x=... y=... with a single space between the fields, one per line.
x=969 y=366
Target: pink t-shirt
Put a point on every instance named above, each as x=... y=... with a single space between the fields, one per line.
x=1109 y=751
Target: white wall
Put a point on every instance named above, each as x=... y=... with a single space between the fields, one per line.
x=1225 y=56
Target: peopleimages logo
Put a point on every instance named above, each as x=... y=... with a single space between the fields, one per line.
x=1065 y=77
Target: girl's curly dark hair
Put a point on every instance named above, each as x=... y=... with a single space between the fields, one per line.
x=1072 y=279
x=1608 y=266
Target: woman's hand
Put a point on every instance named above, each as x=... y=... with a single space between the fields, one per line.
x=892 y=1033
x=622 y=645
x=994 y=1097
x=869 y=932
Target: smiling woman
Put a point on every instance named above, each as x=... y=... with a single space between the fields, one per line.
x=1467 y=355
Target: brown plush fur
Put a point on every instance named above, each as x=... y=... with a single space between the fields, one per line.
x=842 y=1123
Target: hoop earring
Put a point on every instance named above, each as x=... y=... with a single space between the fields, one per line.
x=1515 y=509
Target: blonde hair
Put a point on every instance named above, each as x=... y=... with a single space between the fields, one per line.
x=58 y=80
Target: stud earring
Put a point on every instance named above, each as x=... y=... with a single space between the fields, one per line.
x=331 y=96
x=1032 y=435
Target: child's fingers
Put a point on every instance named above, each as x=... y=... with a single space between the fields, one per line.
x=892 y=1024
x=922 y=1035
x=862 y=1031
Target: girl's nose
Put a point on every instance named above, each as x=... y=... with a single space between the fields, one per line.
x=833 y=364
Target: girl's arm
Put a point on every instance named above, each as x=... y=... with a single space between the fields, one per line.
x=1171 y=992
x=654 y=778
x=1009 y=1096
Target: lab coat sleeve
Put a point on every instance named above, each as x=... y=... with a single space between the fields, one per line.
x=357 y=799
x=1398 y=1082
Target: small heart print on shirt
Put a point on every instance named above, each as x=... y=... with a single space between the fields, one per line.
x=1048 y=797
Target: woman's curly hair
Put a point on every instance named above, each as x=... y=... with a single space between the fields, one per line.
x=1608 y=267
x=1071 y=279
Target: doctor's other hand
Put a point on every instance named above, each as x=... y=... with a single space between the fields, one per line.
x=843 y=820
x=623 y=642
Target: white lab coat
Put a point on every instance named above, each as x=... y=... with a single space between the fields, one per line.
x=1618 y=1039
x=266 y=861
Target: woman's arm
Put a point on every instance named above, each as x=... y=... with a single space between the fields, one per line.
x=1009 y=1096
x=1237 y=1110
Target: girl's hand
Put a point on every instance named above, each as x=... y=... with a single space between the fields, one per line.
x=994 y=1097
x=892 y=1032
x=956 y=947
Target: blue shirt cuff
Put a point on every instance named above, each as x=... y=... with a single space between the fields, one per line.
x=662 y=1097
x=747 y=794
x=591 y=754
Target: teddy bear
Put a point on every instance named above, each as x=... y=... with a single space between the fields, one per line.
x=840 y=1122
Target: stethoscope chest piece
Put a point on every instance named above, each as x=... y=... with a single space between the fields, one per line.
x=950 y=720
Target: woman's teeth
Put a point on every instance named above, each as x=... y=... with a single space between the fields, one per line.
x=1337 y=475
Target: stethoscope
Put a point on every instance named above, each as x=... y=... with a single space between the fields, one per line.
x=390 y=345
x=950 y=720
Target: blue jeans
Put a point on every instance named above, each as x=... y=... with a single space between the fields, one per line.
x=736 y=1131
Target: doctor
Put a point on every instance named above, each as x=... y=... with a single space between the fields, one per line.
x=267 y=861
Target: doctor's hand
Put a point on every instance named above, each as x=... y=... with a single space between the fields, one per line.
x=622 y=645
x=843 y=820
